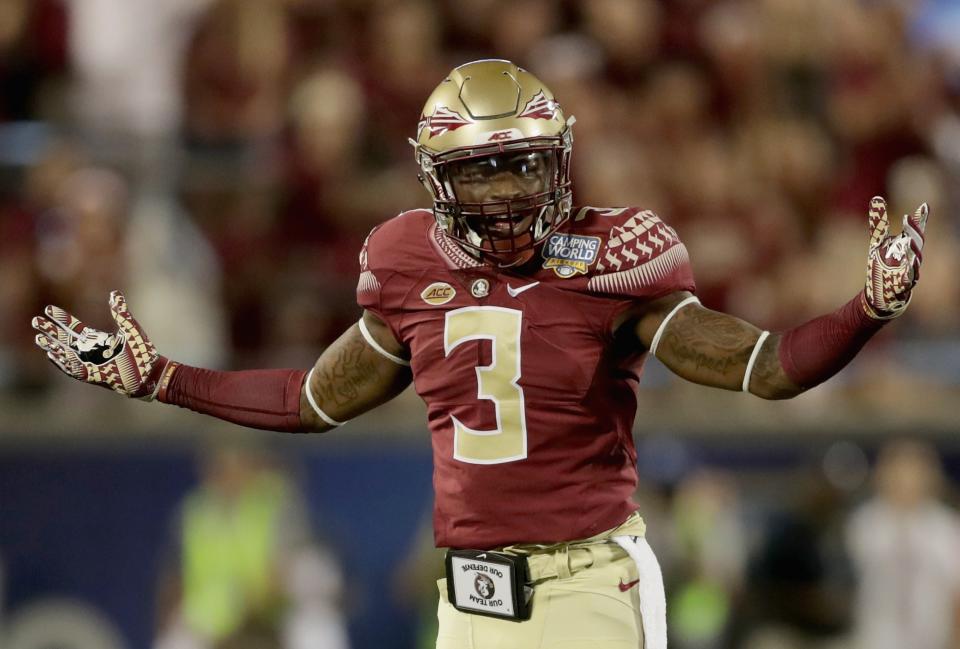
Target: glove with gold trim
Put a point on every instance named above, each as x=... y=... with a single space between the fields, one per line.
x=893 y=262
x=125 y=361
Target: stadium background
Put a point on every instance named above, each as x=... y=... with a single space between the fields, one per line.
x=222 y=160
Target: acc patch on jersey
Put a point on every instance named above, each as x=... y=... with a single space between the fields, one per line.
x=438 y=293
x=570 y=254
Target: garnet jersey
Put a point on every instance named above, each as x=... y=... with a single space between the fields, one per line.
x=530 y=406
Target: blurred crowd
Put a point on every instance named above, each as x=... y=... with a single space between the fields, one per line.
x=836 y=557
x=222 y=160
x=833 y=556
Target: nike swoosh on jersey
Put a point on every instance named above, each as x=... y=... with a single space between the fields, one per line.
x=625 y=587
x=514 y=292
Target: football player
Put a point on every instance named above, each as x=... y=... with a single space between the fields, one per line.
x=523 y=322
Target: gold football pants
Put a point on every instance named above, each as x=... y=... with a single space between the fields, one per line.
x=599 y=593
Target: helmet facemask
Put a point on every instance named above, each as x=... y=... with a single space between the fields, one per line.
x=501 y=201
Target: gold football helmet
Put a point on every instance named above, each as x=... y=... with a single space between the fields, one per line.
x=491 y=120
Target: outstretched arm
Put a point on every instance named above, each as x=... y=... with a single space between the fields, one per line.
x=714 y=349
x=719 y=350
x=362 y=369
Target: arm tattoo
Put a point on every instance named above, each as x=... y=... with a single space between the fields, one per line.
x=767 y=367
x=351 y=371
x=714 y=348
x=769 y=379
x=708 y=347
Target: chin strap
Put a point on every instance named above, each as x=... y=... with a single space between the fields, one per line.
x=472 y=242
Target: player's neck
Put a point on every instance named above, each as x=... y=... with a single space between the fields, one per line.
x=525 y=266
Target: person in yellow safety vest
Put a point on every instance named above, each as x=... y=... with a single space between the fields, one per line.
x=229 y=559
x=238 y=535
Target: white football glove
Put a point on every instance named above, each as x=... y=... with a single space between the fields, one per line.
x=125 y=361
x=893 y=262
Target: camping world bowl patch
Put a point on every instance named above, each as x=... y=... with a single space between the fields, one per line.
x=570 y=254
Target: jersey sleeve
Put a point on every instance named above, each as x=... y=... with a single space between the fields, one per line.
x=642 y=258
x=375 y=275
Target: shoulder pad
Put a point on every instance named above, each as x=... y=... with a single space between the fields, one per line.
x=641 y=255
x=396 y=242
x=634 y=240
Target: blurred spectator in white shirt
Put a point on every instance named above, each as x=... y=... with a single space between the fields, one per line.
x=126 y=56
x=905 y=544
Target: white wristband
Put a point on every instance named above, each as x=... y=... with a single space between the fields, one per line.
x=313 y=404
x=373 y=343
x=753 y=359
x=663 y=325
